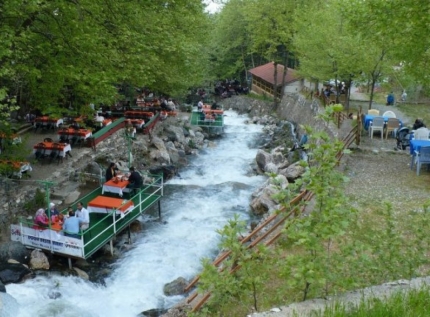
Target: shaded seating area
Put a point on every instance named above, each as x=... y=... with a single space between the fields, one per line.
x=17 y=169
x=46 y=123
x=51 y=150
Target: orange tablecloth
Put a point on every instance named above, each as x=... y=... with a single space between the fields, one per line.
x=57 y=226
x=139 y=114
x=11 y=136
x=81 y=132
x=49 y=146
x=116 y=188
x=105 y=204
x=46 y=119
x=213 y=111
x=16 y=165
x=107 y=122
x=138 y=123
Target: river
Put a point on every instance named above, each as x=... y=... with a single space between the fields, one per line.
x=217 y=184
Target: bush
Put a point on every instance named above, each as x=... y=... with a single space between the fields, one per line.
x=38 y=201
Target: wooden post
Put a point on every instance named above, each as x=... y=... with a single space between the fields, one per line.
x=69 y=260
x=159 y=209
x=111 y=246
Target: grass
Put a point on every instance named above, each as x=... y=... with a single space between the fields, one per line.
x=414 y=303
x=416 y=111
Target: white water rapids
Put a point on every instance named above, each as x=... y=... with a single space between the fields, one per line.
x=217 y=185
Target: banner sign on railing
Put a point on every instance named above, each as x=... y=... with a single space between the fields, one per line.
x=47 y=239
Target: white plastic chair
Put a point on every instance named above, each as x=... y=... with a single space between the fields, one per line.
x=389 y=114
x=377 y=124
x=374 y=112
x=421 y=134
x=422 y=157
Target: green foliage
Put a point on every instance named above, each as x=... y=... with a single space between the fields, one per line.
x=313 y=269
x=241 y=276
x=59 y=55
x=38 y=201
x=414 y=302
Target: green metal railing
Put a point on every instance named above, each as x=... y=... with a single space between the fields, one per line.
x=103 y=226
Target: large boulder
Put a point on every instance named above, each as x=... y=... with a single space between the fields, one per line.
x=12 y=272
x=271 y=168
x=293 y=171
x=168 y=171
x=39 y=261
x=158 y=143
x=175 y=287
x=13 y=250
x=81 y=273
x=263 y=158
x=177 y=157
x=160 y=156
x=175 y=133
x=262 y=204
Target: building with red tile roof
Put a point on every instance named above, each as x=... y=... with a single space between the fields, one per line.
x=263 y=79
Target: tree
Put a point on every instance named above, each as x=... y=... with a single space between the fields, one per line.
x=67 y=54
x=270 y=23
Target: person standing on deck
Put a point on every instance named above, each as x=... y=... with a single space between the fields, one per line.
x=200 y=105
x=83 y=215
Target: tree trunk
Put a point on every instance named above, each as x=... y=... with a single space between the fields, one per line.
x=372 y=89
x=284 y=73
x=275 y=85
x=348 y=94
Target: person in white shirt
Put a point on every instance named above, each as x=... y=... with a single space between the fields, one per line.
x=200 y=105
x=99 y=119
x=171 y=105
x=83 y=215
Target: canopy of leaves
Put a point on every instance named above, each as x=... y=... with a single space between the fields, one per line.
x=71 y=53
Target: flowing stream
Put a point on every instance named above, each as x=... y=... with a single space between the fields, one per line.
x=217 y=185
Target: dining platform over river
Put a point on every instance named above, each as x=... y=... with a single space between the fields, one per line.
x=109 y=215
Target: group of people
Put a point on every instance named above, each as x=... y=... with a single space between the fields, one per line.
x=72 y=224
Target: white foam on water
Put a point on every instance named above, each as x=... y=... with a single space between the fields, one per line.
x=208 y=194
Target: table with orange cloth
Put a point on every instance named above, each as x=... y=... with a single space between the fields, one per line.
x=138 y=114
x=115 y=187
x=57 y=225
x=82 y=133
x=103 y=204
x=107 y=122
x=18 y=167
x=49 y=146
x=137 y=123
x=215 y=111
x=14 y=137
x=45 y=120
